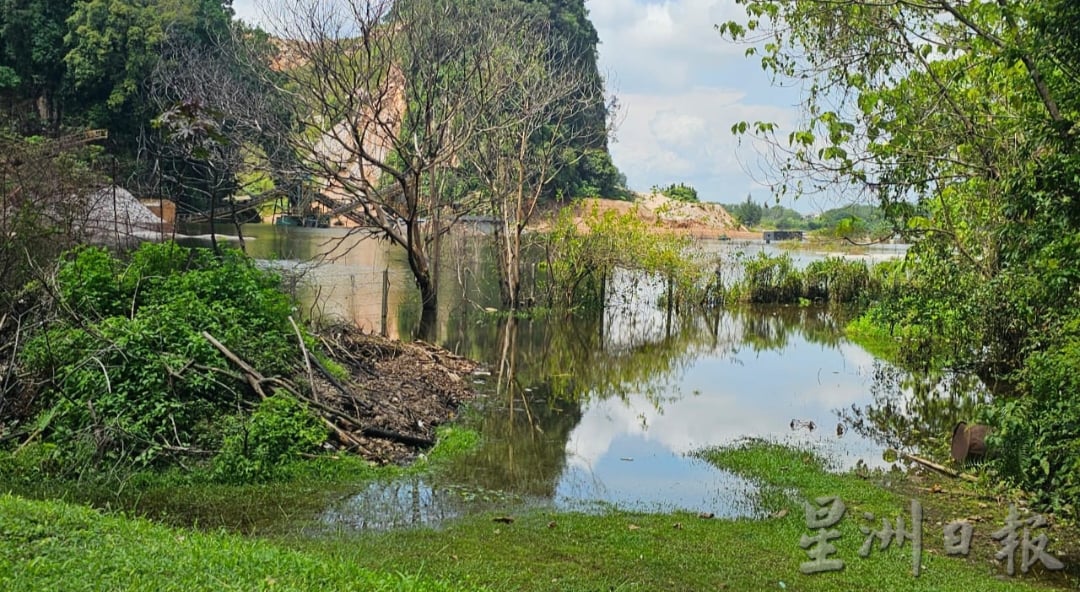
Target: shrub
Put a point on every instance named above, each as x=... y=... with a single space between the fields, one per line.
x=256 y=447
x=126 y=372
x=679 y=192
x=838 y=280
x=579 y=262
x=772 y=279
x=1036 y=438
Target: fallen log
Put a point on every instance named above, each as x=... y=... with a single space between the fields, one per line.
x=307 y=358
x=341 y=387
x=939 y=468
x=256 y=380
x=396 y=437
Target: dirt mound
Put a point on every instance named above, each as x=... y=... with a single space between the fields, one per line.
x=705 y=220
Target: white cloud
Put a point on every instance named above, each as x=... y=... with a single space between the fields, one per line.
x=247 y=11
x=686 y=136
x=681 y=87
x=649 y=45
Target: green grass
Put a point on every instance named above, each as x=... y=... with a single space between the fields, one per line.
x=191 y=498
x=873 y=338
x=51 y=545
x=628 y=551
x=57 y=546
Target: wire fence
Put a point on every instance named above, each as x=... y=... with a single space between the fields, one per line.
x=364 y=297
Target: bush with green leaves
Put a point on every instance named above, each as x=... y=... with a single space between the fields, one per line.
x=774 y=279
x=838 y=280
x=256 y=447
x=679 y=192
x=579 y=261
x=124 y=375
x=1035 y=441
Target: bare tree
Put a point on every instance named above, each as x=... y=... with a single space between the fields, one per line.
x=388 y=95
x=220 y=125
x=527 y=132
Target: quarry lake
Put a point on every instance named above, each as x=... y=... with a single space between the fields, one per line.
x=589 y=412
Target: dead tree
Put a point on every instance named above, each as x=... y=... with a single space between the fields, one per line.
x=526 y=133
x=388 y=95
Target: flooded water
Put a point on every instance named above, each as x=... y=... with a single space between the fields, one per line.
x=588 y=413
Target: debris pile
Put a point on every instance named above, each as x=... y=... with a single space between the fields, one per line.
x=393 y=398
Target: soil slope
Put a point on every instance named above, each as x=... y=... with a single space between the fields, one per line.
x=702 y=220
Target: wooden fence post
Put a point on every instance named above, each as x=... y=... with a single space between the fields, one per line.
x=385 y=299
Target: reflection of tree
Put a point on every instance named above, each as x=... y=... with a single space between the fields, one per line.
x=915 y=410
x=547 y=368
x=525 y=430
x=771 y=327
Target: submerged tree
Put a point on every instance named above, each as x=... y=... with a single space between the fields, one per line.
x=527 y=140
x=388 y=95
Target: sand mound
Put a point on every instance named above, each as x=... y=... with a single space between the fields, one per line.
x=706 y=220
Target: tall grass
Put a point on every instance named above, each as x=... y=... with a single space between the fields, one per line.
x=774 y=279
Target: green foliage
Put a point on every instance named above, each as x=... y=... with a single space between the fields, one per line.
x=1036 y=439
x=578 y=262
x=255 y=447
x=335 y=369
x=774 y=279
x=969 y=143
x=678 y=192
x=31 y=54
x=852 y=221
x=593 y=174
x=837 y=280
x=114 y=45
x=452 y=442
x=747 y=213
x=127 y=376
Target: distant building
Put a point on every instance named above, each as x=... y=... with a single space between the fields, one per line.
x=779 y=235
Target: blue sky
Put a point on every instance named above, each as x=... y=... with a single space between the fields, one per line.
x=681 y=88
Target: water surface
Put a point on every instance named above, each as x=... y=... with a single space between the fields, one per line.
x=593 y=412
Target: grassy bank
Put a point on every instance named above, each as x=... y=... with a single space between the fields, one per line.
x=628 y=551
x=874 y=339
x=58 y=546
x=192 y=497
x=51 y=545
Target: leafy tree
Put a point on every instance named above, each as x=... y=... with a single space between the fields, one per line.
x=113 y=46
x=32 y=56
x=959 y=118
x=747 y=213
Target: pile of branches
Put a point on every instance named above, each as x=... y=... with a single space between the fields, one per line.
x=391 y=400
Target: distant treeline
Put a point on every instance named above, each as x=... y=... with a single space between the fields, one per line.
x=850 y=220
